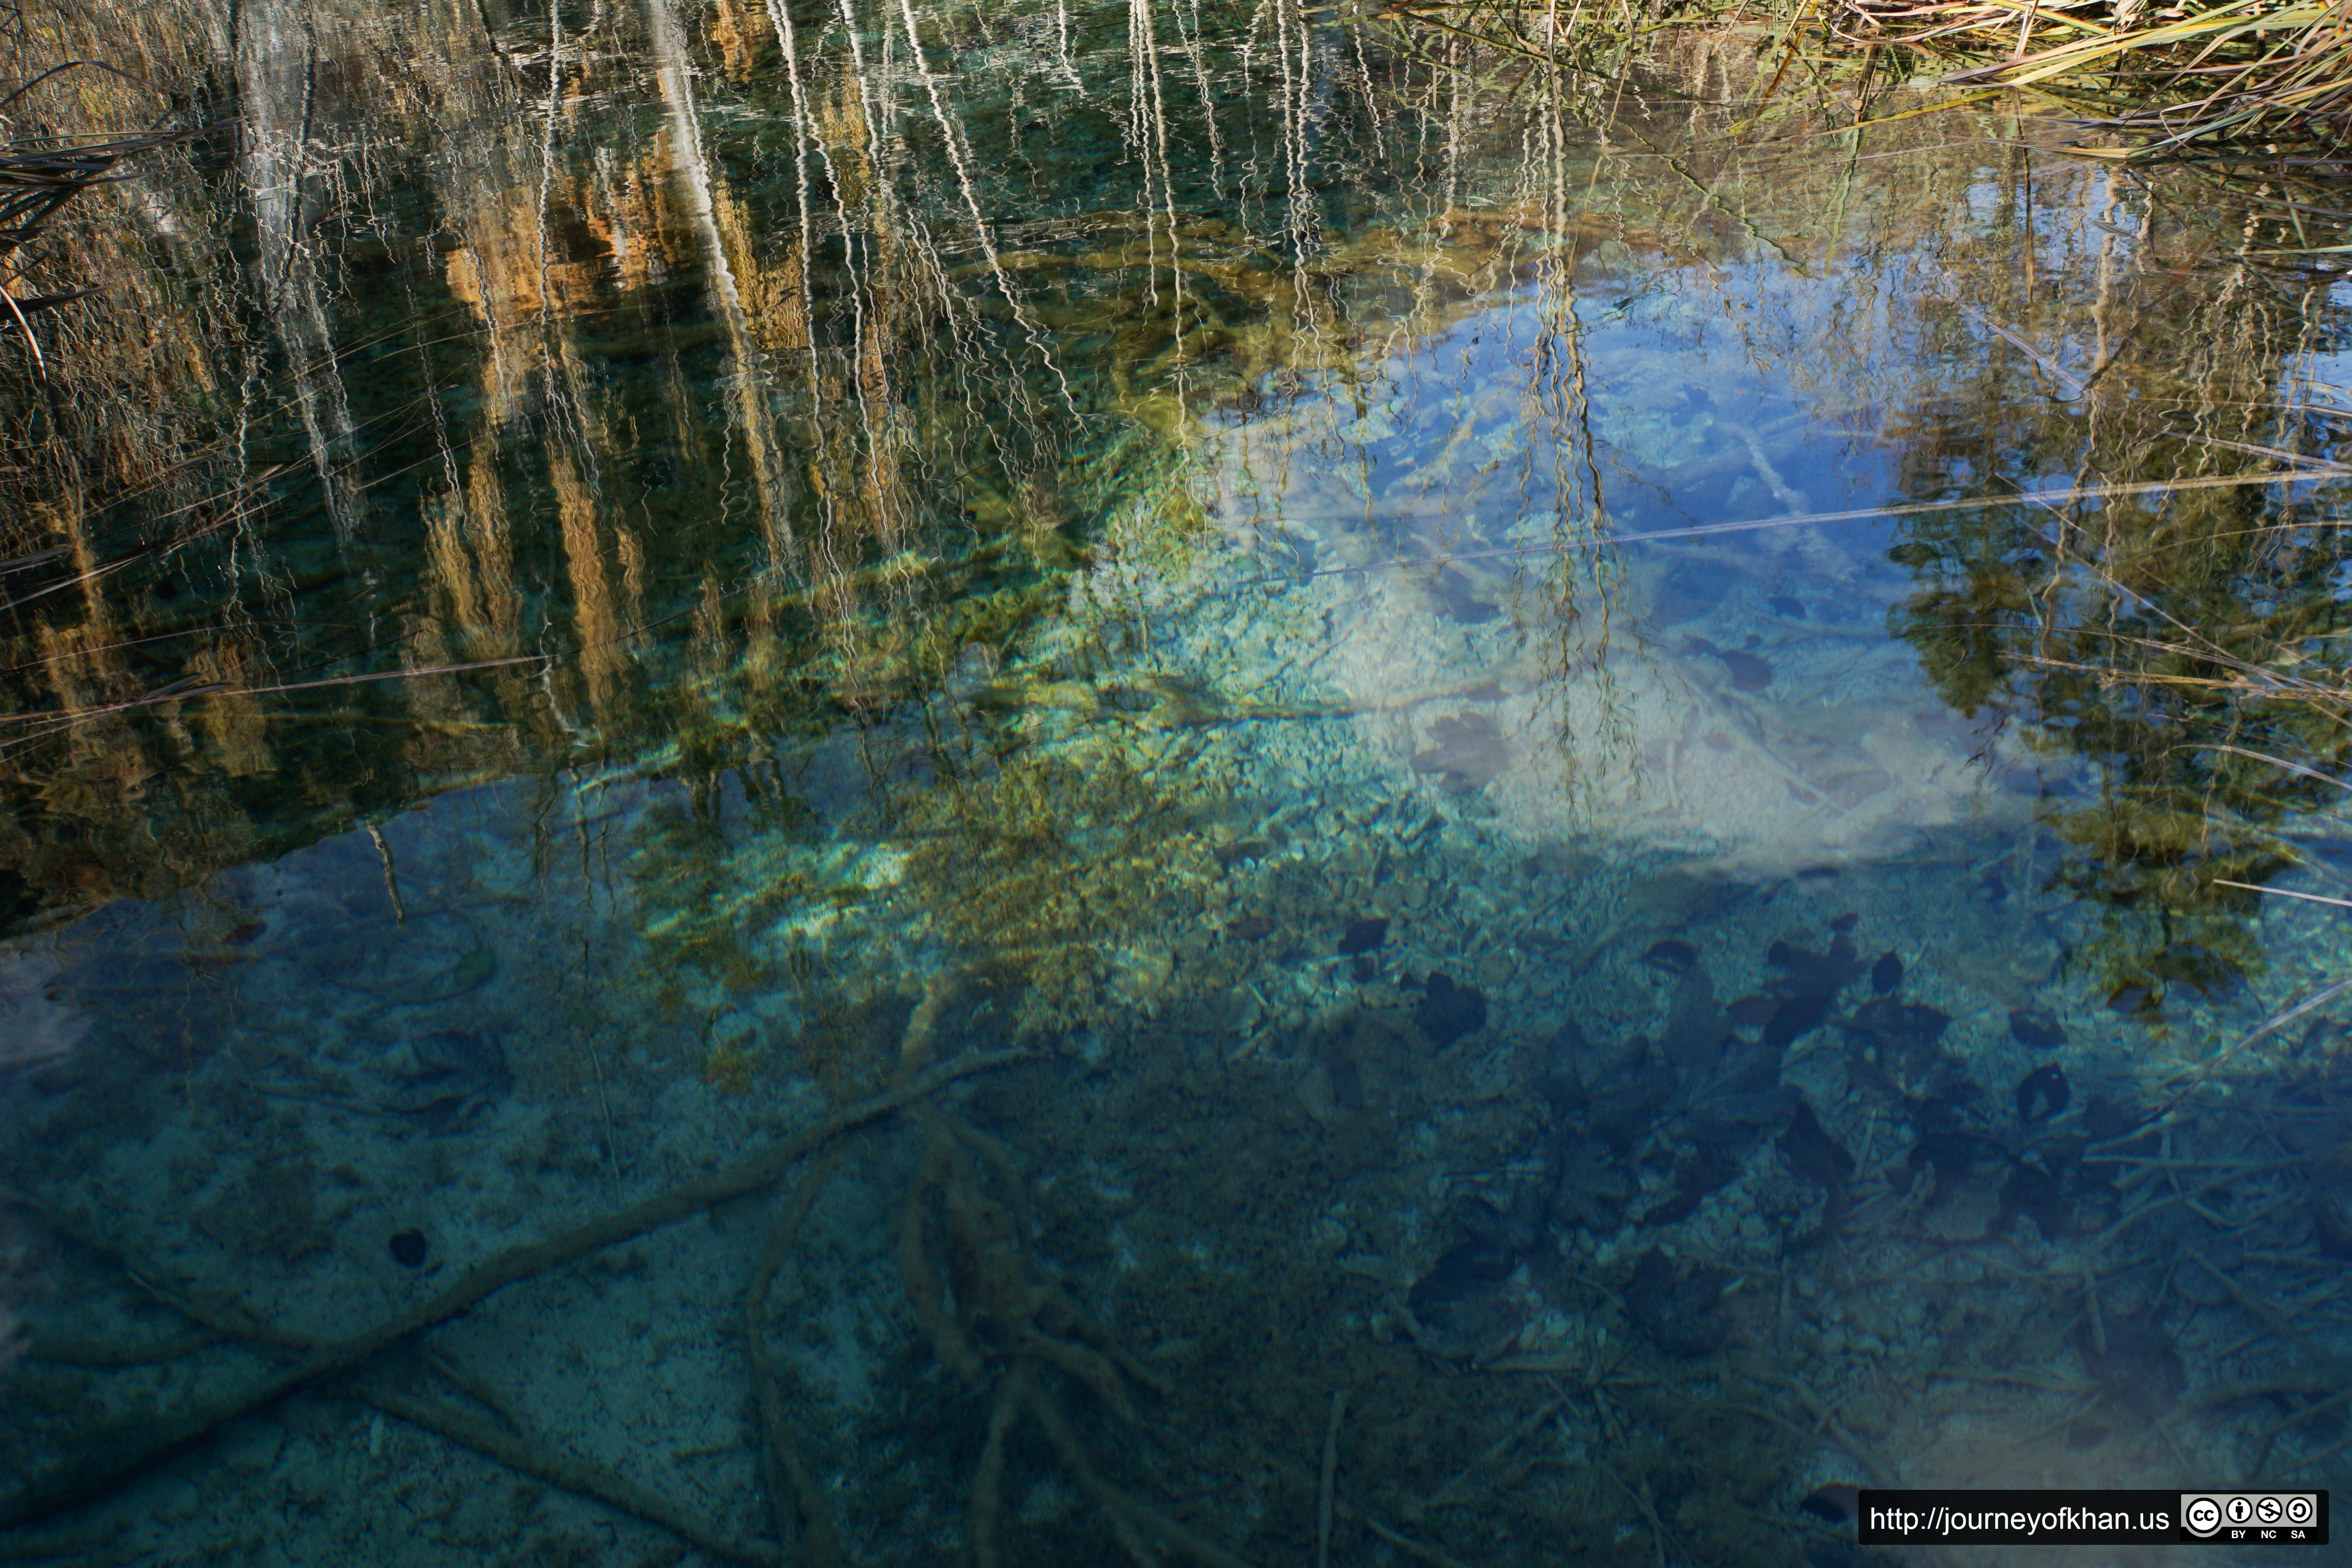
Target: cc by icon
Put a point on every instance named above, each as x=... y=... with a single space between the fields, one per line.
x=2200 y=1515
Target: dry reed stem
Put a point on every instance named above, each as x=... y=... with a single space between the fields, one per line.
x=1851 y=514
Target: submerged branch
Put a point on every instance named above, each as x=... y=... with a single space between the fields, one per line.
x=139 y=1444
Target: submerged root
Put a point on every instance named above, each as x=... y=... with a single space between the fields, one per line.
x=971 y=1281
x=565 y=1472
x=121 y=1451
x=987 y=1505
x=792 y=1493
x=1139 y=1527
x=963 y=1259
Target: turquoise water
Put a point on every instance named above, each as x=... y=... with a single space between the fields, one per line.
x=1166 y=784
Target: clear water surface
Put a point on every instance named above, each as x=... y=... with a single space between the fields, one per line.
x=1179 y=783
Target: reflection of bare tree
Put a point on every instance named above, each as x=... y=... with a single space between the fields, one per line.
x=2166 y=635
x=846 y=429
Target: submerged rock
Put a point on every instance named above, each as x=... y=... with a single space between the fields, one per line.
x=1887 y=974
x=1749 y=673
x=1673 y=955
x=2034 y=1193
x=1680 y=1314
x=2043 y=1093
x=447 y=1077
x=1904 y=1034
x=1815 y=972
x=1462 y=1305
x=1794 y=1017
x=1448 y=1012
x=1812 y=982
x=1971 y=1175
x=2107 y=1121
x=1466 y=753
x=1705 y=1171
x=1812 y=1152
x=1621 y=1102
x=1592 y=1186
x=2035 y=1029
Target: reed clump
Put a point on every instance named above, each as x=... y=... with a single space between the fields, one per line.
x=44 y=162
x=2223 y=77
x=2233 y=81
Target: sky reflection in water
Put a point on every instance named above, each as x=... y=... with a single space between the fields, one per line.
x=654 y=578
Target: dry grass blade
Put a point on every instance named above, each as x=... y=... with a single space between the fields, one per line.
x=2283 y=892
x=2312 y=470
x=2237 y=72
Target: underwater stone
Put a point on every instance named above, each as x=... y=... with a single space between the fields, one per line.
x=2043 y=1093
x=1810 y=971
x=1448 y=1012
x=2034 y=1191
x=2035 y=1029
x=1466 y=754
x=1621 y=1106
x=1887 y=974
x=1708 y=1169
x=1363 y=936
x=1591 y=1188
x=1959 y=1159
x=1673 y=955
x=2106 y=1122
x=1794 y=1017
x=1679 y=1315
x=1812 y=1152
x=1459 y=1306
x=408 y=1248
x=1749 y=673
x=1898 y=1025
